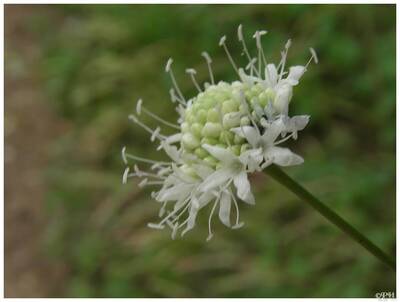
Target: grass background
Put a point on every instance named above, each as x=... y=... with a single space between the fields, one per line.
x=99 y=59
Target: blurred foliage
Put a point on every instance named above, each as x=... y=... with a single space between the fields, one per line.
x=100 y=59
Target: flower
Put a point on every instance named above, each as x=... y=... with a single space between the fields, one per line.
x=224 y=133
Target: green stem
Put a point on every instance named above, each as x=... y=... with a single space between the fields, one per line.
x=276 y=173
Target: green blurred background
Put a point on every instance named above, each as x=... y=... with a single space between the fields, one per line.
x=74 y=73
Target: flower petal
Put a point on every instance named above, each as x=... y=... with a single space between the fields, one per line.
x=299 y=122
x=295 y=73
x=282 y=156
x=271 y=75
x=252 y=159
x=222 y=154
x=225 y=208
x=216 y=179
x=251 y=134
x=174 y=193
x=282 y=99
x=272 y=131
x=243 y=188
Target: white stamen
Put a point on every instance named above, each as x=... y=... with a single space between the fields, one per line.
x=148 y=129
x=238 y=226
x=174 y=230
x=161 y=212
x=222 y=43
x=210 y=234
x=174 y=83
x=168 y=65
x=191 y=73
x=209 y=61
x=240 y=33
x=123 y=155
x=283 y=60
x=237 y=209
x=143 y=183
x=314 y=55
x=145 y=160
x=257 y=35
x=139 y=106
x=245 y=50
x=155 y=134
x=156 y=117
x=155 y=226
x=125 y=176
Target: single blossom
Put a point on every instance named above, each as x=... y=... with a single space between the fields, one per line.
x=224 y=133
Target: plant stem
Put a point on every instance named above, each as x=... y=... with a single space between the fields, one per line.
x=276 y=173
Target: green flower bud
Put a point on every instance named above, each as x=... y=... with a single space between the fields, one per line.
x=211 y=129
x=189 y=141
x=201 y=153
x=213 y=115
x=196 y=129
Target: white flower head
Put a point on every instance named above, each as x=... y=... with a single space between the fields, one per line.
x=224 y=133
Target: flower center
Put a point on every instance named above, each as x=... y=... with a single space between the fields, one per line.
x=213 y=113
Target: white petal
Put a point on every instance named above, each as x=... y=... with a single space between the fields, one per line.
x=222 y=154
x=243 y=188
x=282 y=99
x=283 y=156
x=192 y=219
x=173 y=138
x=251 y=134
x=271 y=75
x=204 y=199
x=252 y=159
x=171 y=151
x=202 y=170
x=295 y=73
x=272 y=132
x=225 y=208
x=174 y=193
x=299 y=122
x=216 y=179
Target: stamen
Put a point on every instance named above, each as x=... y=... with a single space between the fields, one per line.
x=210 y=234
x=209 y=61
x=191 y=73
x=174 y=230
x=125 y=176
x=123 y=155
x=171 y=74
x=314 y=55
x=284 y=139
x=252 y=67
x=257 y=36
x=161 y=212
x=222 y=43
x=237 y=225
x=148 y=129
x=148 y=161
x=155 y=226
x=174 y=98
x=150 y=183
x=283 y=60
x=245 y=50
x=183 y=210
x=141 y=174
x=155 y=134
x=171 y=214
x=140 y=108
x=142 y=183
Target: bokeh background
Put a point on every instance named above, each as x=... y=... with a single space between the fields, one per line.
x=74 y=73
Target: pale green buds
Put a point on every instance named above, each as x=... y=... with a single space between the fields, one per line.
x=214 y=112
